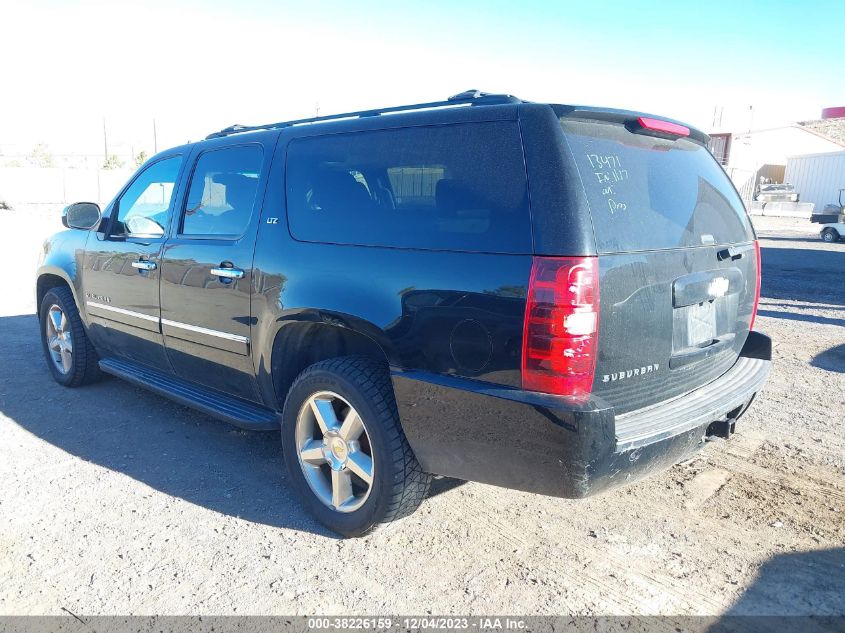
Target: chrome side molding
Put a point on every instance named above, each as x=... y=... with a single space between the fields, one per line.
x=132 y=313
x=183 y=326
x=202 y=330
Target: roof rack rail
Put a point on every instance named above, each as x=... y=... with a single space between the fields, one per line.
x=472 y=97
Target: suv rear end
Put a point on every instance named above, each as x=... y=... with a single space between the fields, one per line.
x=677 y=256
x=637 y=338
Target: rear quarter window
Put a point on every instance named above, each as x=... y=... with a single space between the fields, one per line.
x=647 y=193
x=453 y=187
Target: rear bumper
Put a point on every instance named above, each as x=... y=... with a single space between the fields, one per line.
x=546 y=444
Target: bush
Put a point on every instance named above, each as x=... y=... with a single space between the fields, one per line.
x=41 y=156
x=113 y=162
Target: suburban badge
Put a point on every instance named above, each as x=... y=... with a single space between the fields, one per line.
x=630 y=373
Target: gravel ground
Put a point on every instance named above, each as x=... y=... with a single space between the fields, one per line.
x=115 y=501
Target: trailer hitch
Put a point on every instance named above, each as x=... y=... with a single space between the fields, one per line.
x=726 y=427
x=722 y=428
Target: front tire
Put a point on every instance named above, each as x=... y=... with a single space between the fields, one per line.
x=344 y=447
x=830 y=235
x=72 y=360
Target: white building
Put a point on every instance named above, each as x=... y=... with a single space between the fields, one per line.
x=749 y=157
x=818 y=177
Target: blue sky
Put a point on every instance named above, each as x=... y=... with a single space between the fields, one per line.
x=718 y=38
x=198 y=66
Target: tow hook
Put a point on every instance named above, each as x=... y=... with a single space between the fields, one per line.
x=722 y=428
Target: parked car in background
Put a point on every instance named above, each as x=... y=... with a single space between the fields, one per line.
x=776 y=192
x=545 y=297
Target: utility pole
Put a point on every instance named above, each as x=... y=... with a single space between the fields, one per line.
x=155 y=138
x=105 y=140
x=717 y=116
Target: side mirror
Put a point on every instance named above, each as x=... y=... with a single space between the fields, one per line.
x=82 y=215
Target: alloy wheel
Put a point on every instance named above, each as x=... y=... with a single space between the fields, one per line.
x=334 y=451
x=59 y=339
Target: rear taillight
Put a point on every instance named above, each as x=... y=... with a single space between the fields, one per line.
x=560 y=335
x=758 y=281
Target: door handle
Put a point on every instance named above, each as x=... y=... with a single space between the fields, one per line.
x=143 y=264
x=228 y=273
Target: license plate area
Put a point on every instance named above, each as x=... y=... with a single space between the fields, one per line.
x=704 y=312
x=701 y=324
x=694 y=326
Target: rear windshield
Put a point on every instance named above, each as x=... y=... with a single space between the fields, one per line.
x=452 y=187
x=647 y=193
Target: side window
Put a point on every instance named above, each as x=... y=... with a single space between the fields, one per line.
x=144 y=206
x=456 y=187
x=223 y=190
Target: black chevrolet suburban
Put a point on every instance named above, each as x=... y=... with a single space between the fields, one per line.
x=552 y=298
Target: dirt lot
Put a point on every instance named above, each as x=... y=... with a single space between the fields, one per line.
x=115 y=501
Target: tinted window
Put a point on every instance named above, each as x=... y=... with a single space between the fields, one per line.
x=648 y=193
x=144 y=206
x=454 y=187
x=223 y=190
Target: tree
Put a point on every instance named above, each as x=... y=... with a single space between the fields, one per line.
x=141 y=158
x=41 y=156
x=113 y=162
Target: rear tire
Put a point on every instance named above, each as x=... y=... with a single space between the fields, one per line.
x=320 y=457
x=72 y=359
x=830 y=235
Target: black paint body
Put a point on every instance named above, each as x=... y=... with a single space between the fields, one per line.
x=448 y=323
